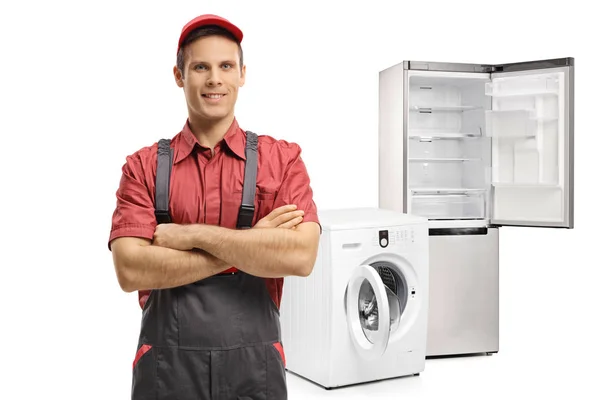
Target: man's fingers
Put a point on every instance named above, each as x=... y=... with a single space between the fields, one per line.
x=288 y=216
x=291 y=223
x=281 y=210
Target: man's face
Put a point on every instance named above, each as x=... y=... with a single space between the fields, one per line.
x=212 y=77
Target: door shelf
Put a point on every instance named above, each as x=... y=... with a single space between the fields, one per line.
x=449 y=206
x=532 y=185
x=511 y=124
x=528 y=202
x=507 y=87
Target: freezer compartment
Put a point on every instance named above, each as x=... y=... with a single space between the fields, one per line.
x=448 y=204
x=463 y=293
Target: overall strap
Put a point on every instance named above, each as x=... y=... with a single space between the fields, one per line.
x=246 y=212
x=163 y=176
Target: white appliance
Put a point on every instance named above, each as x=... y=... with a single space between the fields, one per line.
x=475 y=147
x=361 y=315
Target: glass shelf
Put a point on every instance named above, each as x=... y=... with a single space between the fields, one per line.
x=425 y=136
x=443 y=159
x=425 y=191
x=457 y=108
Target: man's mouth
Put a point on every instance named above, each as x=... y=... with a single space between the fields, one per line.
x=215 y=96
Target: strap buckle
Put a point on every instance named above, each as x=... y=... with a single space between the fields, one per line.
x=245 y=216
x=162 y=216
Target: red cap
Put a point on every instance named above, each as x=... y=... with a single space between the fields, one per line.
x=209 y=19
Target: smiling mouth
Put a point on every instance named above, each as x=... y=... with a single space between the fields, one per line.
x=215 y=96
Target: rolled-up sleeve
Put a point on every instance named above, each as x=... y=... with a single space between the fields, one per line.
x=134 y=212
x=295 y=187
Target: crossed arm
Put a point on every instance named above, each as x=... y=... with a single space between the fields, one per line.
x=181 y=254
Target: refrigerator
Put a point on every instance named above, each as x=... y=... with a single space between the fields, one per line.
x=475 y=147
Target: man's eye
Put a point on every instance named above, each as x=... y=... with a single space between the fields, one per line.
x=227 y=66
x=199 y=66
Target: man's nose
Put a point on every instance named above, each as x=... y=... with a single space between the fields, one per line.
x=214 y=78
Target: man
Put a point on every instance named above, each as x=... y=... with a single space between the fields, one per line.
x=210 y=292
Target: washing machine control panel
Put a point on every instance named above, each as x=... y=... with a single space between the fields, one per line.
x=394 y=237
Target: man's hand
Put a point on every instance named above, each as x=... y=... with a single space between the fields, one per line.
x=286 y=217
x=173 y=236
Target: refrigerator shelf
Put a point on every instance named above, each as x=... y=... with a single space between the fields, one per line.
x=445 y=191
x=442 y=159
x=457 y=108
x=430 y=136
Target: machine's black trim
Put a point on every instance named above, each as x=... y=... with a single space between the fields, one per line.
x=457 y=231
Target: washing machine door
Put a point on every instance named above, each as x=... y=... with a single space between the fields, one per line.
x=368 y=312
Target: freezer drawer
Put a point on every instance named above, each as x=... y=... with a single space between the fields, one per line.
x=464 y=293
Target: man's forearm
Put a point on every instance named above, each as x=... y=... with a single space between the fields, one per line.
x=265 y=252
x=154 y=267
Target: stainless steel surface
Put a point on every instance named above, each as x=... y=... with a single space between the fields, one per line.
x=393 y=109
x=570 y=150
x=464 y=294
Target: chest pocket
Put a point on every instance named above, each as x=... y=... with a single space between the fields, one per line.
x=263 y=205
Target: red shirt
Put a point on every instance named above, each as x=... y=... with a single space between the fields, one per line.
x=208 y=190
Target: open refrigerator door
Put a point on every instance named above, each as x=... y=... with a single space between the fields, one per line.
x=530 y=125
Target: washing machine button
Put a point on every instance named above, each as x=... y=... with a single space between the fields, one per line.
x=383 y=238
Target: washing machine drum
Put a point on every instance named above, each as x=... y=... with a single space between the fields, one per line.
x=397 y=296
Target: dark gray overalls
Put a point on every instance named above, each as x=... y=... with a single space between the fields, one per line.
x=218 y=338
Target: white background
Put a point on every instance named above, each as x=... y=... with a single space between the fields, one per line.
x=84 y=84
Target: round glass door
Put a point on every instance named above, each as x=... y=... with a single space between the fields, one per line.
x=368 y=312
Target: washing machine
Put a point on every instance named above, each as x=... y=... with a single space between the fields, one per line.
x=361 y=315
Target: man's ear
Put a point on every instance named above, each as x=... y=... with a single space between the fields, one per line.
x=178 y=76
x=243 y=75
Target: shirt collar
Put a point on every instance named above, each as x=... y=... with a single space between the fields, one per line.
x=234 y=139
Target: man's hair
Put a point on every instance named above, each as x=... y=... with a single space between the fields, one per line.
x=204 y=31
